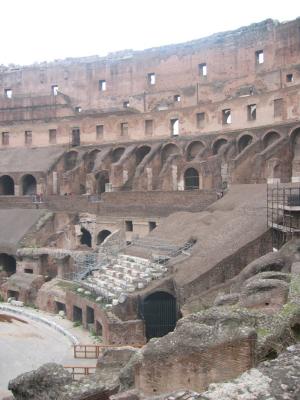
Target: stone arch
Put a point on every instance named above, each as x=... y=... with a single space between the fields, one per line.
x=8 y=265
x=102 y=178
x=244 y=141
x=7 y=186
x=86 y=237
x=70 y=160
x=269 y=138
x=193 y=149
x=117 y=154
x=141 y=153
x=191 y=179
x=102 y=235
x=29 y=185
x=169 y=150
x=89 y=160
x=159 y=311
x=218 y=144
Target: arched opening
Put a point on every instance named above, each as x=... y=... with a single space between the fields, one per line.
x=217 y=145
x=7 y=265
x=243 y=142
x=70 y=160
x=191 y=179
x=193 y=150
x=296 y=331
x=86 y=237
x=141 y=152
x=270 y=138
x=295 y=143
x=169 y=150
x=7 y=186
x=159 y=313
x=90 y=160
x=102 y=179
x=117 y=154
x=102 y=235
x=28 y=185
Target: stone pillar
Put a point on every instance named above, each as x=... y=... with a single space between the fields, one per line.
x=149 y=178
x=125 y=176
x=17 y=190
x=55 y=183
x=174 y=177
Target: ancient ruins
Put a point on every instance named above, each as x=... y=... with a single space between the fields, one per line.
x=150 y=203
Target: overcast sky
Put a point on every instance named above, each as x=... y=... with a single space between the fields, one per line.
x=44 y=30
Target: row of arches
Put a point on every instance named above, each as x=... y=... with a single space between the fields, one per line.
x=86 y=237
x=28 y=185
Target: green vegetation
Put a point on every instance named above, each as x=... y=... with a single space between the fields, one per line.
x=77 y=324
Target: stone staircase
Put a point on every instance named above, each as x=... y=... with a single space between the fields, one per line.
x=125 y=276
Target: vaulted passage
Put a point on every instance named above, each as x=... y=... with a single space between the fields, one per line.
x=86 y=237
x=7 y=186
x=159 y=313
x=28 y=185
x=217 y=145
x=7 y=264
x=191 y=179
x=102 y=236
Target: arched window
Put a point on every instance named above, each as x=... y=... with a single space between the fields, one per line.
x=28 y=185
x=243 y=142
x=70 y=160
x=159 y=313
x=102 y=236
x=7 y=186
x=117 y=154
x=86 y=237
x=270 y=138
x=194 y=149
x=141 y=152
x=169 y=150
x=217 y=145
x=191 y=179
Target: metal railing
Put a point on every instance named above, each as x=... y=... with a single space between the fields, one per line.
x=78 y=372
x=93 y=351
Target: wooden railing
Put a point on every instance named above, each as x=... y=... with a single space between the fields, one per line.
x=92 y=351
x=78 y=372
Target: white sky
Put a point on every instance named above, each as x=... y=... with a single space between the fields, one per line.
x=44 y=30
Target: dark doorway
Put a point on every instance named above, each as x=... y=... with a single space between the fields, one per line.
x=102 y=236
x=217 y=145
x=28 y=185
x=191 y=179
x=99 y=329
x=90 y=318
x=77 y=314
x=13 y=293
x=159 y=313
x=7 y=264
x=70 y=160
x=60 y=307
x=86 y=237
x=7 y=186
x=102 y=179
x=75 y=137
